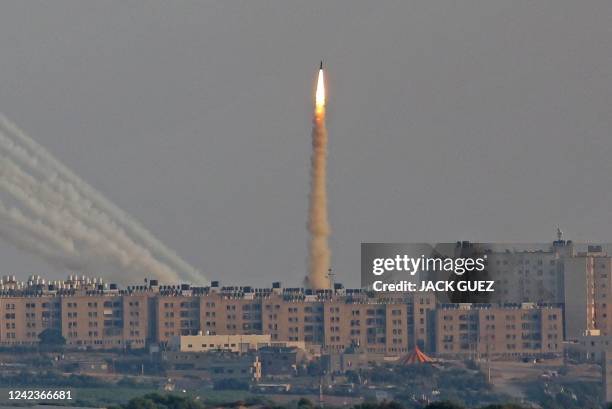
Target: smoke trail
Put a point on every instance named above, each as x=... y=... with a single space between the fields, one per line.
x=318 y=224
x=88 y=243
x=132 y=227
x=76 y=219
x=72 y=211
x=34 y=237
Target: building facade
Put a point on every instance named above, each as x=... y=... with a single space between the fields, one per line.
x=588 y=282
x=92 y=315
x=502 y=330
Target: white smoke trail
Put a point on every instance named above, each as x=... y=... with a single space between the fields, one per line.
x=96 y=243
x=63 y=214
x=71 y=209
x=46 y=161
x=34 y=236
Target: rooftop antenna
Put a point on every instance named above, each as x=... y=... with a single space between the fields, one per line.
x=559 y=234
x=331 y=275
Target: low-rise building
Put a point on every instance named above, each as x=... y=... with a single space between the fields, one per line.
x=214 y=365
x=279 y=361
x=233 y=343
x=590 y=347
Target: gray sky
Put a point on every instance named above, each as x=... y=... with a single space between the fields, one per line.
x=480 y=120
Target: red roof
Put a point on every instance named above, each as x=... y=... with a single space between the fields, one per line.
x=415 y=357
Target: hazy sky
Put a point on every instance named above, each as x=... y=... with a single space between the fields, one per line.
x=480 y=120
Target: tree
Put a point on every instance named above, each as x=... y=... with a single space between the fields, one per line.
x=231 y=384
x=380 y=405
x=51 y=337
x=157 y=401
x=304 y=403
x=444 y=405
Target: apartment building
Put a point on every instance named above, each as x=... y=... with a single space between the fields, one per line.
x=102 y=320
x=496 y=330
x=92 y=315
x=234 y=311
x=176 y=312
x=136 y=322
x=377 y=328
x=96 y=316
x=523 y=272
x=23 y=318
x=293 y=316
x=588 y=296
x=579 y=277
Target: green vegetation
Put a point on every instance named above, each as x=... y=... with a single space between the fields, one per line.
x=85 y=397
x=51 y=338
x=406 y=387
x=158 y=401
x=466 y=387
x=86 y=390
x=469 y=388
x=50 y=379
x=566 y=395
x=450 y=405
x=54 y=379
x=230 y=383
x=381 y=405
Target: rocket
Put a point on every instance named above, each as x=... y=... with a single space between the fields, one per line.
x=318 y=223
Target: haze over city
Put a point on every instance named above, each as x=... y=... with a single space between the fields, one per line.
x=484 y=121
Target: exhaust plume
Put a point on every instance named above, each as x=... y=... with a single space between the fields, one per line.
x=318 y=224
x=67 y=223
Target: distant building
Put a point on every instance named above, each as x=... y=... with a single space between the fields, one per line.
x=588 y=295
x=529 y=275
x=214 y=365
x=93 y=366
x=177 y=312
x=353 y=359
x=279 y=361
x=22 y=319
x=233 y=343
x=590 y=347
x=93 y=315
x=105 y=321
x=490 y=330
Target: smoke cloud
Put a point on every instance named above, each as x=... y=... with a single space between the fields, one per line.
x=60 y=218
x=318 y=224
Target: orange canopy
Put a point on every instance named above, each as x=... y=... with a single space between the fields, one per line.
x=415 y=357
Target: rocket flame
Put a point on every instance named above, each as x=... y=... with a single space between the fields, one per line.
x=320 y=94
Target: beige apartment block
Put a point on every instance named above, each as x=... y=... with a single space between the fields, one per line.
x=176 y=314
x=22 y=319
x=477 y=330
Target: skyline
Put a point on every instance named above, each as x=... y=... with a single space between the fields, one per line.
x=485 y=122
x=408 y=250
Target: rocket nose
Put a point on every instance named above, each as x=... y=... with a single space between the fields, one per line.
x=321 y=66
